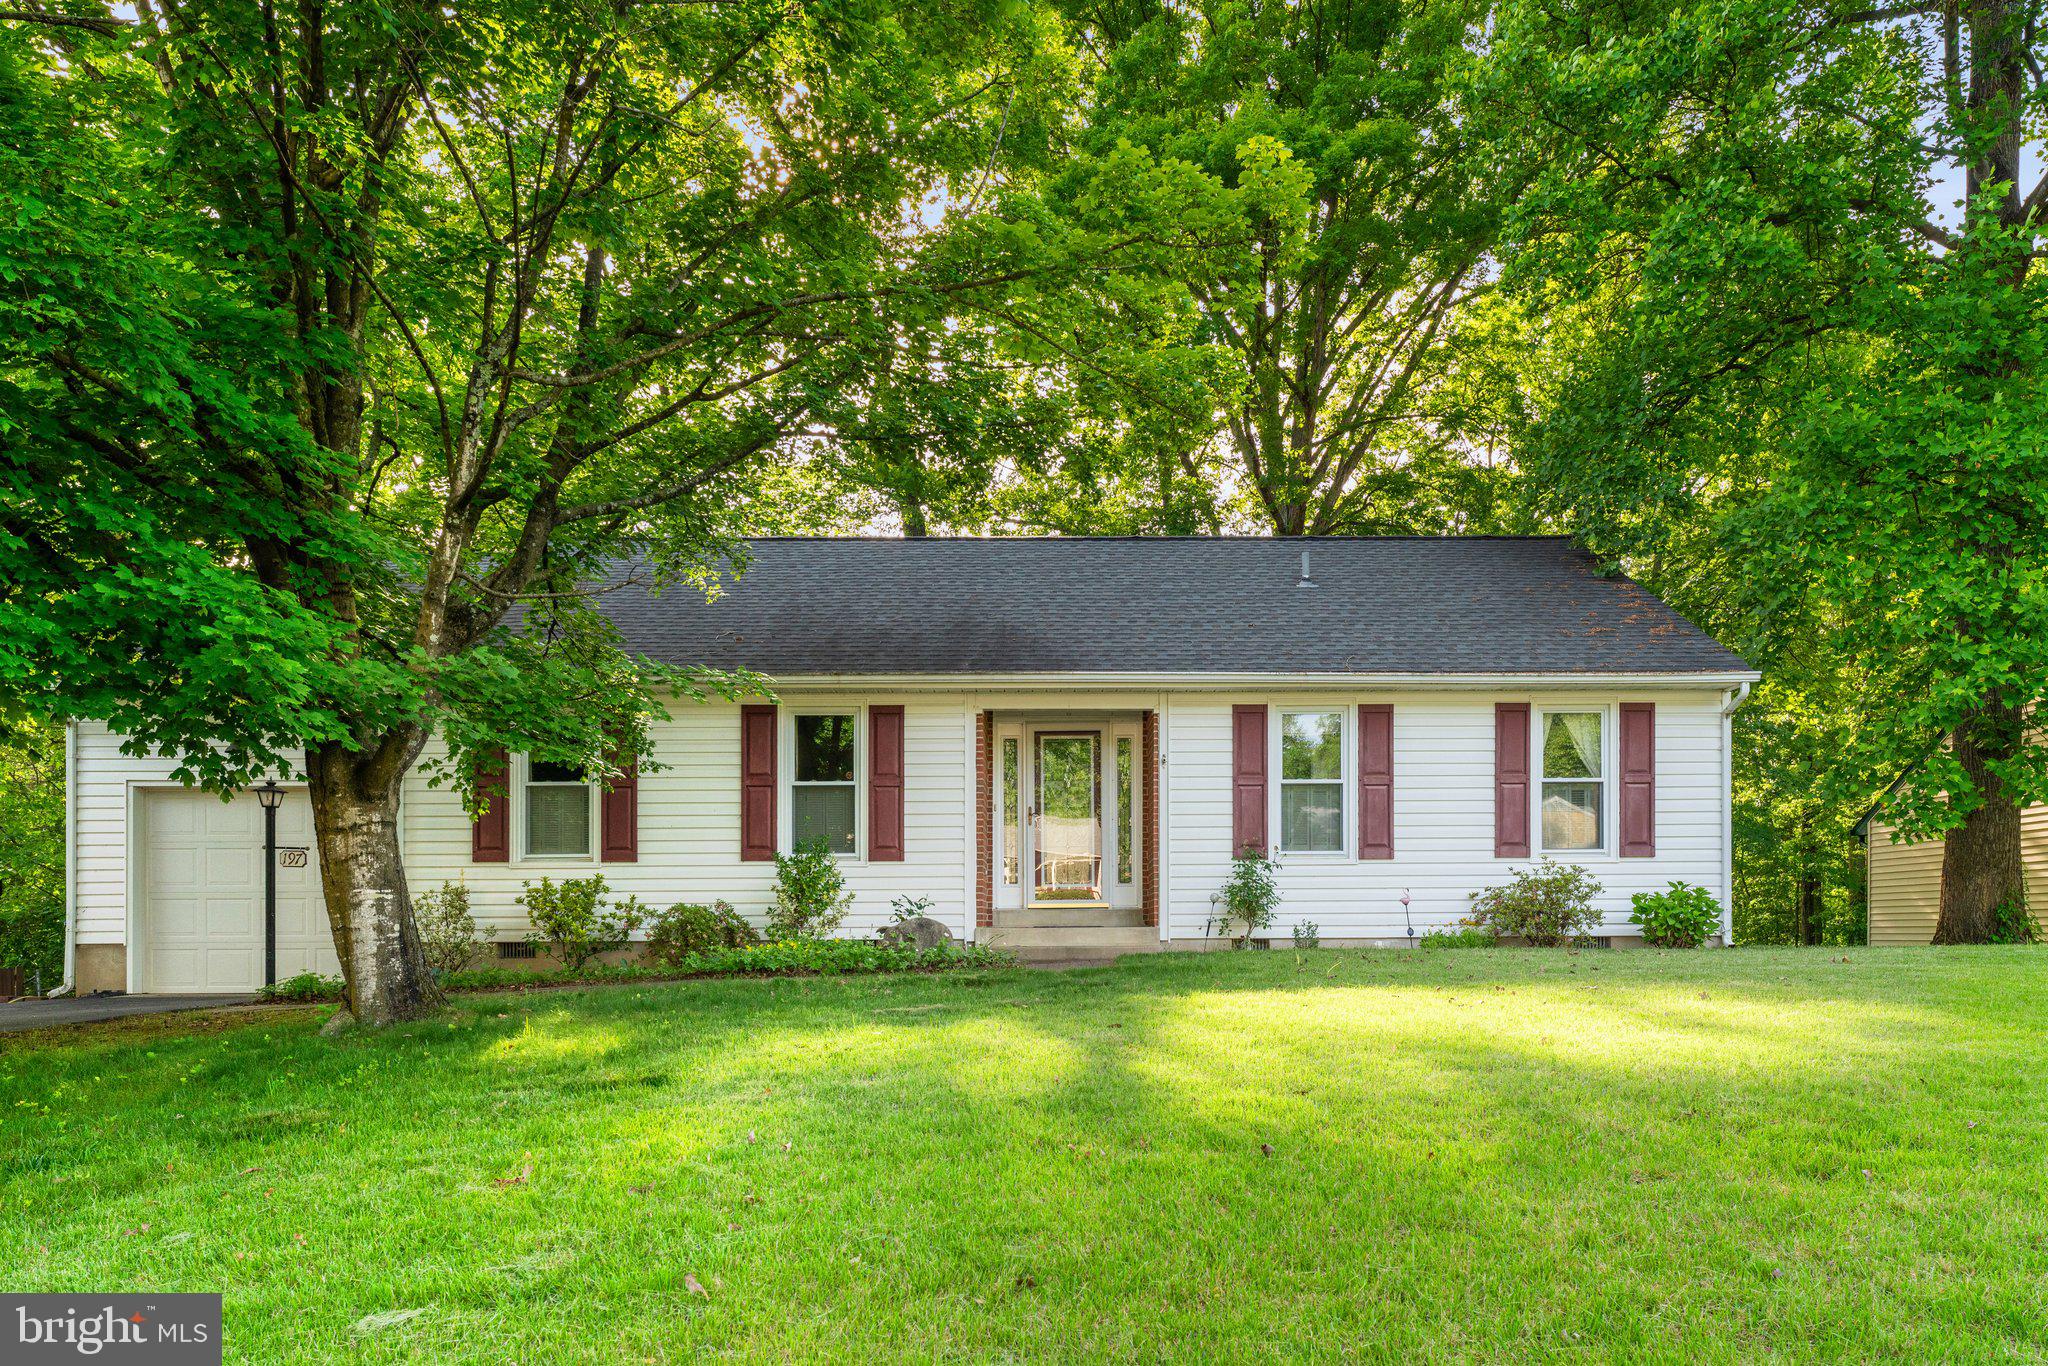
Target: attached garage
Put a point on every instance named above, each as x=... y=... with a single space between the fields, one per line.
x=198 y=925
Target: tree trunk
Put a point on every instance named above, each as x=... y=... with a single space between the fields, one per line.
x=1980 y=860
x=355 y=821
x=1807 y=927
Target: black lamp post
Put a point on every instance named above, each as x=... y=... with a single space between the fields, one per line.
x=272 y=797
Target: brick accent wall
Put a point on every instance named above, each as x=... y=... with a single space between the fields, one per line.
x=1148 y=815
x=984 y=821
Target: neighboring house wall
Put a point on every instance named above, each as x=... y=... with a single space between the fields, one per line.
x=1904 y=880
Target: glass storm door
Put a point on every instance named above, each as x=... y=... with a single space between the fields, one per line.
x=1067 y=819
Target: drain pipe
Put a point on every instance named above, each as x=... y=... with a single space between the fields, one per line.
x=1736 y=697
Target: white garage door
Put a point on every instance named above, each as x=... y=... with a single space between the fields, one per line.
x=201 y=923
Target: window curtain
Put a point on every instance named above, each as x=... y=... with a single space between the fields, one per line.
x=1584 y=730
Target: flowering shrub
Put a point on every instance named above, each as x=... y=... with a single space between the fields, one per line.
x=1544 y=905
x=1680 y=917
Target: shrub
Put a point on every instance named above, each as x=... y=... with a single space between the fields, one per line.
x=447 y=930
x=1679 y=917
x=307 y=986
x=790 y=958
x=1544 y=905
x=810 y=893
x=1306 y=934
x=2013 y=923
x=686 y=928
x=909 y=907
x=826 y=957
x=574 y=920
x=1458 y=939
x=1249 y=898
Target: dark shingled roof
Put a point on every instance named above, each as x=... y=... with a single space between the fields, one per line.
x=1064 y=605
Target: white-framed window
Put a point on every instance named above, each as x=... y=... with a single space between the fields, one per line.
x=1571 y=752
x=1012 y=826
x=559 y=807
x=1312 y=786
x=1126 y=808
x=824 y=779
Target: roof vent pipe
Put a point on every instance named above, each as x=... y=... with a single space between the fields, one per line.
x=1304 y=581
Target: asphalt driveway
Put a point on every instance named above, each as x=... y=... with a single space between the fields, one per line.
x=19 y=1015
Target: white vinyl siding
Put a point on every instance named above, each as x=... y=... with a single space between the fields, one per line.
x=689 y=811
x=1443 y=812
x=690 y=823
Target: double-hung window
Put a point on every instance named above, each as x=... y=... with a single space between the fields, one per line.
x=824 y=794
x=558 y=811
x=1574 y=781
x=1312 y=782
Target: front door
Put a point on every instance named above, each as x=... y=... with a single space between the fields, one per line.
x=1066 y=817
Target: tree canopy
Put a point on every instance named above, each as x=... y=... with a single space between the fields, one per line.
x=344 y=339
x=345 y=348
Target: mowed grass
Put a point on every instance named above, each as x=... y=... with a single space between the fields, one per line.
x=1377 y=1154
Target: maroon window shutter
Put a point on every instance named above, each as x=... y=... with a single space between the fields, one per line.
x=1639 y=780
x=757 y=784
x=490 y=835
x=885 y=784
x=1375 y=780
x=1248 y=778
x=618 y=817
x=1511 y=780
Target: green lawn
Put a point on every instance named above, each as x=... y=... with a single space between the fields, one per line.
x=1463 y=1155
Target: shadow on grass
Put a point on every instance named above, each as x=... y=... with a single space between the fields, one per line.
x=1441 y=1140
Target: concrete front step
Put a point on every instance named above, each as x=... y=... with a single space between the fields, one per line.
x=1070 y=955
x=1031 y=917
x=1092 y=939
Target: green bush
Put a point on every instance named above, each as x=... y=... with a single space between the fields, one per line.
x=909 y=907
x=1307 y=935
x=2013 y=923
x=789 y=958
x=1679 y=917
x=1250 y=898
x=574 y=920
x=32 y=850
x=1458 y=939
x=826 y=957
x=1544 y=905
x=307 y=986
x=447 y=930
x=810 y=893
x=687 y=927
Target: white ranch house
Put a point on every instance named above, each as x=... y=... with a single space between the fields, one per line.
x=1059 y=742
